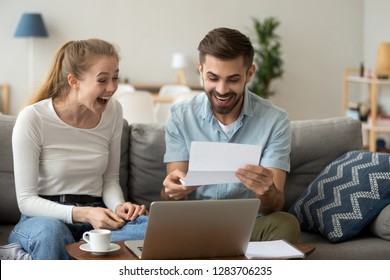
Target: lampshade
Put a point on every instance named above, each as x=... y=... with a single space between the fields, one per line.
x=179 y=61
x=31 y=25
x=383 y=60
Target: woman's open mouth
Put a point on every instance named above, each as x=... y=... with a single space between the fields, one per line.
x=103 y=100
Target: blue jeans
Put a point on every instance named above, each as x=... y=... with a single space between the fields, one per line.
x=45 y=238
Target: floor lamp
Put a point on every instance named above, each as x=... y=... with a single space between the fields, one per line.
x=31 y=25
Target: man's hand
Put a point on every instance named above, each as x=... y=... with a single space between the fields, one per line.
x=173 y=189
x=256 y=178
x=267 y=184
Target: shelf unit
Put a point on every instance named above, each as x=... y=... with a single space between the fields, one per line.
x=373 y=84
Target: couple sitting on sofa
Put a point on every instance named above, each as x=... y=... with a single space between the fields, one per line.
x=66 y=147
x=64 y=188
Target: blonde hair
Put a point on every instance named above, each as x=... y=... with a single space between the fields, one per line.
x=74 y=57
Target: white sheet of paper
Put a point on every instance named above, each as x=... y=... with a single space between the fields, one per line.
x=217 y=163
x=273 y=250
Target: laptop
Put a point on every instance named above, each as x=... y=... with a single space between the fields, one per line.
x=194 y=229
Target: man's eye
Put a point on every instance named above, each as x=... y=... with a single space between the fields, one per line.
x=102 y=81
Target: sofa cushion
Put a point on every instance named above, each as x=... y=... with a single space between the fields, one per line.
x=381 y=225
x=313 y=146
x=147 y=168
x=346 y=196
x=361 y=247
x=8 y=206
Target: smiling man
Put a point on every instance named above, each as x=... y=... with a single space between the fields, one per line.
x=228 y=112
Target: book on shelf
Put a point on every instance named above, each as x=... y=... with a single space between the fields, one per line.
x=353 y=111
x=381 y=120
x=358 y=111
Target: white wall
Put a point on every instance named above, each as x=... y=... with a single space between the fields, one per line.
x=376 y=30
x=319 y=38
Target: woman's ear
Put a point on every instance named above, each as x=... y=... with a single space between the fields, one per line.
x=73 y=82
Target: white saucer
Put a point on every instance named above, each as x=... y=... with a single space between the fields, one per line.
x=87 y=247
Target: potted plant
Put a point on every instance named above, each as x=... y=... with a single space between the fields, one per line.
x=268 y=61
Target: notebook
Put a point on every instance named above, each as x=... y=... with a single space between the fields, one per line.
x=193 y=229
x=274 y=249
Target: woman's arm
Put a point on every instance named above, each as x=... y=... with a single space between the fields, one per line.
x=27 y=143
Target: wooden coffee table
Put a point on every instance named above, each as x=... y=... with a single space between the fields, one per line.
x=124 y=253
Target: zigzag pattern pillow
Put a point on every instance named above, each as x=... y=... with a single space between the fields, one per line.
x=347 y=195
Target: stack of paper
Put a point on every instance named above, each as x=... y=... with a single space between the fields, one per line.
x=276 y=249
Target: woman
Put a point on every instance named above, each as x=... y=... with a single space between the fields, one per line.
x=66 y=147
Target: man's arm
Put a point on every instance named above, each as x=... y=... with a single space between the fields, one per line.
x=273 y=199
x=181 y=165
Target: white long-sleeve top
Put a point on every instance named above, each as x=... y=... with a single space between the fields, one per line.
x=54 y=158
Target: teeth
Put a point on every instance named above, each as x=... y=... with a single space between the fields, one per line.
x=105 y=98
x=222 y=99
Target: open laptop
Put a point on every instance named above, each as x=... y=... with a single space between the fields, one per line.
x=197 y=229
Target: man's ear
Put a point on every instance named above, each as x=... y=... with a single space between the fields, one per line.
x=200 y=68
x=73 y=82
x=250 y=73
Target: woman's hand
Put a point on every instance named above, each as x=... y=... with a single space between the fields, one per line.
x=98 y=217
x=129 y=211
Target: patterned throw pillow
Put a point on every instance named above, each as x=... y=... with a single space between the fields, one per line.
x=347 y=195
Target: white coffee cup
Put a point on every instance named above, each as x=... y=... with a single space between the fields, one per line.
x=98 y=239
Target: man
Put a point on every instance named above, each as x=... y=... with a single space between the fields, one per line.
x=228 y=112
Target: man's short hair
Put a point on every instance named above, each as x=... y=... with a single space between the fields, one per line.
x=226 y=44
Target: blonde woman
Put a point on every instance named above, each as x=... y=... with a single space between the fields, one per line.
x=66 y=147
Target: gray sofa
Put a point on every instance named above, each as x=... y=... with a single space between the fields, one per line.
x=315 y=143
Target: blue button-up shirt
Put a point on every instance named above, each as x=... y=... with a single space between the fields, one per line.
x=260 y=123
